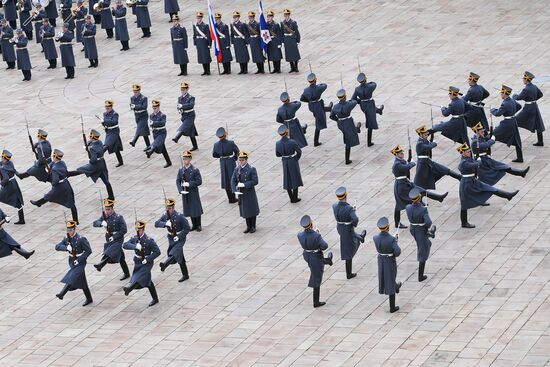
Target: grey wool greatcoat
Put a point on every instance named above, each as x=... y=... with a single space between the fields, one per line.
x=43 y=157
x=490 y=171
x=8 y=52
x=48 y=33
x=149 y=251
x=474 y=111
x=312 y=95
x=62 y=191
x=363 y=96
x=192 y=206
x=171 y=6
x=402 y=185
x=346 y=221
x=248 y=201
x=420 y=224
x=291 y=39
x=121 y=27
x=23 y=59
x=178 y=35
x=203 y=42
x=112 y=132
x=507 y=131
x=455 y=128
x=386 y=244
x=256 y=50
x=472 y=191
x=227 y=151
x=158 y=125
x=10 y=193
x=7 y=243
x=290 y=153
x=187 y=110
x=529 y=117
x=178 y=226
x=274 y=52
x=142 y=14
x=140 y=103
x=286 y=114
x=341 y=113
x=66 y=49
x=96 y=166
x=114 y=236
x=240 y=39
x=313 y=245
x=428 y=171
x=76 y=276
x=90 y=48
x=225 y=42
x=106 y=16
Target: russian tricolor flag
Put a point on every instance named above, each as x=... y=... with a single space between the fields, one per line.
x=214 y=33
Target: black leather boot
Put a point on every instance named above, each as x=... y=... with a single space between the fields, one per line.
x=540 y=142
x=21 y=216
x=347 y=154
x=369 y=137
x=464 y=219
x=397 y=219
x=21 y=251
x=184 y=272
x=454 y=174
x=506 y=194
x=393 y=307
x=125 y=270
x=421 y=276
x=436 y=196
x=102 y=263
x=349 y=266
x=519 y=154
x=166 y=263
x=518 y=172
x=154 y=295
x=88 y=295
x=316 y=142
x=130 y=287
x=316 y=296
x=63 y=292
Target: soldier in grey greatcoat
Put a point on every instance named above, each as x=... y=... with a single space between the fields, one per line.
x=143 y=18
x=158 y=125
x=240 y=40
x=312 y=95
x=529 y=117
x=47 y=33
x=243 y=183
x=256 y=51
x=507 y=131
x=455 y=128
x=291 y=39
x=65 y=40
x=274 y=53
x=43 y=152
x=121 y=26
x=290 y=153
x=186 y=107
x=88 y=38
x=139 y=104
x=341 y=113
x=363 y=95
x=23 y=59
x=227 y=152
x=188 y=181
x=225 y=43
x=178 y=35
x=474 y=111
x=107 y=22
x=286 y=115
x=113 y=142
x=7 y=243
x=388 y=249
x=10 y=193
x=171 y=7
x=203 y=41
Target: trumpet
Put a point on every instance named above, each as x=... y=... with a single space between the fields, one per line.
x=73 y=13
x=98 y=6
x=59 y=35
x=4 y=2
x=30 y=18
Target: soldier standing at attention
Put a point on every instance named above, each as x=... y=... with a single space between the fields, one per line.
x=138 y=104
x=178 y=35
x=225 y=43
x=240 y=40
x=363 y=96
x=143 y=18
x=171 y=7
x=203 y=42
x=65 y=40
x=291 y=40
x=341 y=113
x=158 y=125
x=113 y=143
x=7 y=243
x=290 y=153
x=274 y=53
x=227 y=151
x=10 y=193
x=186 y=107
x=507 y=131
x=243 y=183
x=107 y=22
x=253 y=29
x=312 y=95
x=47 y=33
x=529 y=118
x=121 y=27
x=187 y=182
x=23 y=58
x=388 y=249
x=90 y=48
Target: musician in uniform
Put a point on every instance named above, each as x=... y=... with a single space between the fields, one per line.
x=225 y=43
x=341 y=113
x=8 y=52
x=115 y=230
x=65 y=40
x=313 y=245
x=188 y=181
x=90 y=48
x=473 y=192
x=158 y=125
x=186 y=107
x=24 y=15
x=507 y=131
x=96 y=168
x=402 y=185
x=290 y=153
x=177 y=229
x=346 y=222
x=312 y=95
x=171 y=7
x=7 y=243
x=121 y=27
x=10 y=12
x=455 y=128
x=490 y=171
x=61 y=192
x=107 y=22
x=240 y=39
x=79 y=15
x=291 y=40
x=363 y=95
x=243 y=183
x=10 y=193
x=138 y=104
x=47 y=33
x=37 y=17
x=203 y=41
x=474 y=111
x=95 y=13
x=65 y=8
x=286 y=114
x=256 y=51
x=79 y=249
x=274 y=53
x=143 y=18
x=227 y=151
x=421 y=229
x=51 y=11
x=388 y=249
x=23 y=59
x=428 y=171
x=529 y=117
x=178 y=35
x=43 y=152
x=146 y=251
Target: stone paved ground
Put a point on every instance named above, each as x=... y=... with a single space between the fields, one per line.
x=485 y=301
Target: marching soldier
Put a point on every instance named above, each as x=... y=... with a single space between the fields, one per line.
x=178 y=35
x=43 y=153
x=286 y=115
x=187 y=182
x=341 y=113
x=51 y=11
x=507 y=131
x=403 y=186
x=107 y=22
x=66 y=49
x=243 y=183
x=65 y=8
x=79 y=249
x=474 y=103
x=79 y=16
x=421 y=230
x=177 y=228
x=47 y=33
x=312 y=95
x=346 y=222
x=138 y=104
x=290 y=153
x=274 y=53
x=158 y=125
x=113 y=143
x=62 y=191
x=143 y=18
x=363 y=96
x=8 y=52
x=227 y=151
x=7 y=243
x=145 y=252
x=96 y=168
x=474 y=192
x=455 y=128
x=24 y=15
x=490 y=171
x=10 y=193
x=313 y=245
x=115 y=229
x=428 y=172
x=10 y=12
x=225 y=43
x=23 y=59
x=90 y=48
x=203 y=41
x=529 y=118
x=121 y=27
x=291 y=40
x=388 y=249
x=186 y=107
x=240 y=40
x=171 y=7
x=253 y=29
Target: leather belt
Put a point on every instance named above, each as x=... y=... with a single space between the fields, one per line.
x=509 y=118
x=312 y=250
x=63 y=180
x=289 y=34
x=89 y=36
x=65 y=43
x=343 y=118
x=317 y=100
x=423 y=157
x=345 y=223
x=20 y=48
x=141 y=6
x=289 y=156
x=401 y=178
x=475 y=104
x=530 y=102
x=469 y=175
x=417 y=224
x=385 y=255
x=139 y=111
x=79 y=20
x=111 y=127
x=364 y=100
x=201 y=37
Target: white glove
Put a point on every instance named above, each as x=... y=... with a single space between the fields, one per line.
x=132 y=106
x=144 y=261
x=75 y=262
x=185 y=184
x=7 y=219
x=493 y=138
x=176 y=238
x=138 y=246
x=180 y=106
x=104 y=224
x=442 y=107
x=167 y=225
x=69 y=248
x=240 y=184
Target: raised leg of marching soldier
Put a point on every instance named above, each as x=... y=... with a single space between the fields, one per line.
x=7 y=243
x=388 y=249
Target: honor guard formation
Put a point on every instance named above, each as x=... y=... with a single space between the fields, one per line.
x=476 y=130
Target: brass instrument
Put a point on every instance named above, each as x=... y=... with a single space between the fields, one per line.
x=59 y=35
x=4 y=2
x=73 y=13
x=130 y=3
x=30 y=19
x=98 y=6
